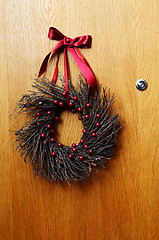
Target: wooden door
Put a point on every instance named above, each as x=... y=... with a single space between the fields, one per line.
x=122 y=201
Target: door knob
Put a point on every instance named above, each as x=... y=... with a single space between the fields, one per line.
x=141 y=84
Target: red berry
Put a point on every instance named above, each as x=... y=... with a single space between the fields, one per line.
x=93 y=134
x=82 y=140
x=86 y=116
x=70 y=156
x=38 y=114
x=59 y=144
x=97 y=124
x=48 y=126
x=98 y=115
x=75 y=98
x=71 y=104
x=90 y=151
x=73 y=144
x=88 y=105
x=64 y=94
x=43 y=142
x=52 y=140
x=56 y=118
x=52 y=131
x=53 y=153
x=84 y=130
x=85 y=146
x=61 y=104
x=49 y=113
x=79 y=118
x=38 y=123
x=55 y=102
x=79 y=109
x=74 y=149
x=81 y=157
x=42 y=135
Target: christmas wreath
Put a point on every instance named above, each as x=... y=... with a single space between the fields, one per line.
x=52 y=159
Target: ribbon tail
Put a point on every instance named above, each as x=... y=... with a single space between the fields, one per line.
x=81 y=56
x=46 y=59
x=66 y=74
x=56 y=70
x=85 y=69
x=44 y=65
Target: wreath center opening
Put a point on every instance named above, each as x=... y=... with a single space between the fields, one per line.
x=68 y=128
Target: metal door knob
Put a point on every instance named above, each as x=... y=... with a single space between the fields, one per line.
x=141 y=84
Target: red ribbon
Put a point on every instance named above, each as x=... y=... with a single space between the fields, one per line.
x=72 y=46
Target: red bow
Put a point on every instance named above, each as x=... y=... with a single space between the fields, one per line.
x=72 y=45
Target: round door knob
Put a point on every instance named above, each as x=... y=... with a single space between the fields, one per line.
x=141 y=84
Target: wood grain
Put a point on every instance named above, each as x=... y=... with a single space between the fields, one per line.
x=122 y=201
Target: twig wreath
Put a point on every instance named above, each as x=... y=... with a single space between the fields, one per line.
x=35 y=140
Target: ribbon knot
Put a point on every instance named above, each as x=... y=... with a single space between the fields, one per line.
x=68 y=42
x=72 y=46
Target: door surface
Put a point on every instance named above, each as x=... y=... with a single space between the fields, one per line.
x=120 y=202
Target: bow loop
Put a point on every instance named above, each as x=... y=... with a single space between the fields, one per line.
x=83 y=41
x=55 y=34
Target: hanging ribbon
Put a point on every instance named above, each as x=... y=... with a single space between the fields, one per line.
x=72 y=46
